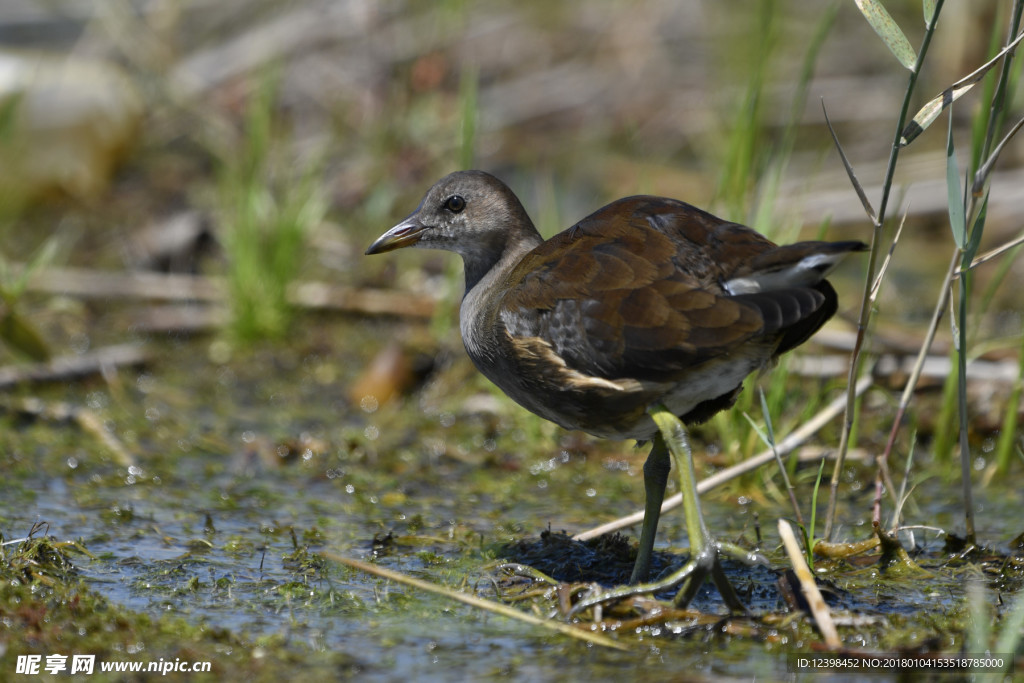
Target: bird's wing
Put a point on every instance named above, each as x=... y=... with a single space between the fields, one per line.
x=635 y=290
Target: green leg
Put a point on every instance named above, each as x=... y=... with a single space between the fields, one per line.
x=704 y=550
x=656 y=471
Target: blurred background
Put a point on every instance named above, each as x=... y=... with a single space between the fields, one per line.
x=265 y=144
x=124 y=117
x=187 y=188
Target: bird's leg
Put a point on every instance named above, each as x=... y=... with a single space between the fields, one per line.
x=656 y=471
x=704 y=549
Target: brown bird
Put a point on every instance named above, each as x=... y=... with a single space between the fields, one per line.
x=646 y=313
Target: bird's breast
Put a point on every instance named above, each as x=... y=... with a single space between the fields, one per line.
x=532 y=374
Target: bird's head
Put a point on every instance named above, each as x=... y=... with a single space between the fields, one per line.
x=469 y=212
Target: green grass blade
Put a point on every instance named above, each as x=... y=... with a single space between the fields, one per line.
x=977 y=230
x=889 y=31
x=945 y=423
x=965 y=451
x=468 y=89
x=929 y=11
x=980 y=121
x=986 y=168
x=1008 y=434
x=954 y=195
x=858 y=188
x=979 y=628
x=17 y=333
x=927 y=114
x=814 y=514
x=1009 y=635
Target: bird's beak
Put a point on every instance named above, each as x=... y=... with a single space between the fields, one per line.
x=405 y=234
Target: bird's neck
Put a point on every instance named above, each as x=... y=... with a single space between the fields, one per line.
x=489 y=263
x=485 y=280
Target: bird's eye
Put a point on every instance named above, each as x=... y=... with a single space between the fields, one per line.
x=455 y=203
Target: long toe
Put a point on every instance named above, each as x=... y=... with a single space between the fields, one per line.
x=704 y=564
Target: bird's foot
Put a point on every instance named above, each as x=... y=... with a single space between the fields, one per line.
x=704 y=563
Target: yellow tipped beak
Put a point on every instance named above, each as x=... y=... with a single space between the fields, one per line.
x=405 y=234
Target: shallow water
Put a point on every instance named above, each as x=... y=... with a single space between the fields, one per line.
x=243 y=469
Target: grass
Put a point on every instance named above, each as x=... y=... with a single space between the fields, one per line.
x=751 y=159
x=878 y=220
x=17 y=331
x=1010 y=442
x=268 y=213
x=983 y=635
x=967 y=221
x=15 y=190
x=986 y=123
x=43 y=599
x=748 y=161
x=268 y=200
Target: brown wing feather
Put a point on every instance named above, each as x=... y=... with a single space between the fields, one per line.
x=633 y=290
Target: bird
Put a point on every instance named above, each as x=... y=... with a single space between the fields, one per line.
x=642 y=318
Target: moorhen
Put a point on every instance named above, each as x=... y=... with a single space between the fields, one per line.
x=645 y=315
